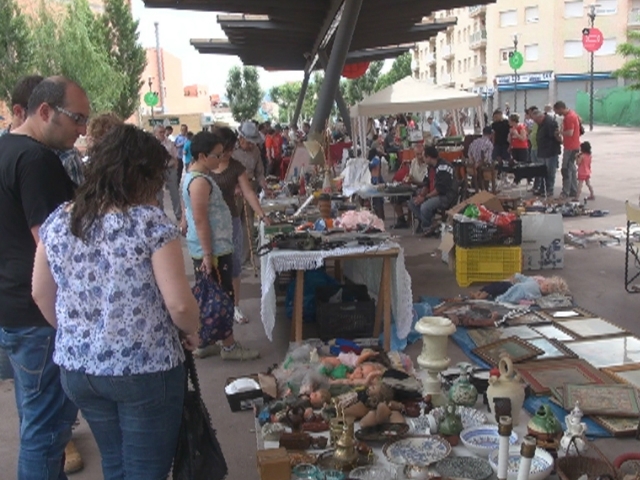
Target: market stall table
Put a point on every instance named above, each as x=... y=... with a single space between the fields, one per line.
x=528 y=171
x=381 y=268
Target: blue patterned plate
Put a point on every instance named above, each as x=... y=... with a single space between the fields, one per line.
x=419 y=452
x=541 y=465
x=484 y=439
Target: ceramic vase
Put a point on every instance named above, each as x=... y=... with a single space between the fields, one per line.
x=544 y=426
x=463 y=392
x=508 y=385
x=435 y=333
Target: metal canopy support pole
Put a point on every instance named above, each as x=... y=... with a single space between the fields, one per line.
x=303 y=92
x=342 y=104
x=592 y=19
x=336 y=63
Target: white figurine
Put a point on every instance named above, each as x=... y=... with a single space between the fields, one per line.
x=575 y=431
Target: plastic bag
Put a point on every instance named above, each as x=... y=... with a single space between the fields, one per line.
x=198 y=454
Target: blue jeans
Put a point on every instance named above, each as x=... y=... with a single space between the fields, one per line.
x=427 y=210
x=550 y=180
x=134 y=419
x=569 y=173
x=46 y=414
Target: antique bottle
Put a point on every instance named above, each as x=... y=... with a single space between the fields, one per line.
x=544 y=426
x=451 y=424
x=462 y=392
x=507 y=385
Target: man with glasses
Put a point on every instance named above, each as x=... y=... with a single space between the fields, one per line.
x=171 y=180
x=33 y=184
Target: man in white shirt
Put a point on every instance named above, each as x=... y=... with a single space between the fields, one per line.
x=416 y=174
x=171 y=175
x=434 y=129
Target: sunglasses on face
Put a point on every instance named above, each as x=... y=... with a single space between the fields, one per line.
x=77 y=118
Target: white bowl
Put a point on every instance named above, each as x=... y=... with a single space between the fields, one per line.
x=541 y=465
x=484 y=439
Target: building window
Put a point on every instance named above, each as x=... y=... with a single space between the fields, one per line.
x=508 y=18
x=609 y=47
x=574 y=9
x=607 y=7
x=531 y=52
x=504 y=54
x=573 y=48
x=531 y=14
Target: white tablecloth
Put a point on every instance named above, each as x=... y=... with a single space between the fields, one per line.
x=363 y=271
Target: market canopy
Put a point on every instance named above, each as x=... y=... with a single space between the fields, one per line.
x=412 y=95
x=289 y=34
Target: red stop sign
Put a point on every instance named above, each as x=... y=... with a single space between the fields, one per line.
x=592 y=39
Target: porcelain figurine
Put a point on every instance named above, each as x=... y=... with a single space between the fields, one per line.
x=574 y=436
x=507 y=385
x=451 y=425
x=462 y=392
x=545 y=427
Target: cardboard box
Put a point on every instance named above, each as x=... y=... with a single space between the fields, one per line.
x=273 y=464
x=245 y=400
x=487 y=199
x=542 y=242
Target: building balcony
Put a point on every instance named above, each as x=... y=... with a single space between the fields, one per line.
x=446 y=80
x=478 y=39
x=477 y=10
x=479 y=73
x=634 y=18
x=430 y=59
x=447 y=52
x=431 y=80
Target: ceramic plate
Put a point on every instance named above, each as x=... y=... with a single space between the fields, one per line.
x=372 y=472
x=464 y=467
x=541 y=465
x=419 y=452
x=470 y=416
x=484 y=439
x=419 y=426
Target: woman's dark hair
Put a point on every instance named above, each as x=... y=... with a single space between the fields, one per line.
x=431 y=152
x=585 y=147
x=229 y=138
x=127 y=168
x=205 y=142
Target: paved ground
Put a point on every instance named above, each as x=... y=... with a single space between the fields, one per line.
x=594 y=275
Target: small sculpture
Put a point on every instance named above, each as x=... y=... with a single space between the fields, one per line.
x=573 y=440
x=462 y=392
x=545 y=427
x=451 y=425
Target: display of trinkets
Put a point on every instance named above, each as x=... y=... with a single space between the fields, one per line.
x=463 y=392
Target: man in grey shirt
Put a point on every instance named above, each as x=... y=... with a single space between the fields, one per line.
x=248 y=153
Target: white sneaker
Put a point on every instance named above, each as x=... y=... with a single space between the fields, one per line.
x=239 y=317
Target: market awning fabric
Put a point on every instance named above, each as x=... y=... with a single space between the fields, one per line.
x=412 y=95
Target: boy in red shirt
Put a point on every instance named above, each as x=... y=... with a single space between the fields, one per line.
x=571 y=145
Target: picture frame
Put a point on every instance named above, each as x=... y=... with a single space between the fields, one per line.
x=553 y=332
x=616 y=426
x=519 y=350
x=553 y=349
x=556 y=314
x=607 y=352
x=612 y=400
x=627 y=374
x=590 y=328
x=545 y=375
x=487 y=335
x=529 y=318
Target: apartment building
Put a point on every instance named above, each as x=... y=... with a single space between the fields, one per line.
x=474 y=54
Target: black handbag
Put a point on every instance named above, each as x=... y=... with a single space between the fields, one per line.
x=198 y=454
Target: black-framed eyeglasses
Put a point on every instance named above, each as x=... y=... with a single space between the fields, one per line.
x=78 y=118
x=217 y=156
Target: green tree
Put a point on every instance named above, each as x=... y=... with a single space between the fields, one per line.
x=16 y=52
x=357 y=89
x=630 y=50
x=128 y=57
x=73 y=46
x=286 y=97
x=401 y=68
x=244 y=92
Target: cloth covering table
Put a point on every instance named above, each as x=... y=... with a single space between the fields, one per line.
x=361 y=264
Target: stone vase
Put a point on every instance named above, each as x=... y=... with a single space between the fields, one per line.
x=433 y=359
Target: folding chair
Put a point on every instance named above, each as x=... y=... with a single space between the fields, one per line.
x=631 y=254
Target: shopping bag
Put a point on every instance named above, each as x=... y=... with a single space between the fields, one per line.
x=198 y=454
x=216 y=309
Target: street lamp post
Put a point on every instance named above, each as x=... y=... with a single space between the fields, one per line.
x=515 y=76
x=592 y=20
x=150 y=82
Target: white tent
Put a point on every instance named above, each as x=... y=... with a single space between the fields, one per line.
x=411 y=95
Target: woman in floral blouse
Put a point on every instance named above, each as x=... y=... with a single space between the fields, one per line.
x=109 y=276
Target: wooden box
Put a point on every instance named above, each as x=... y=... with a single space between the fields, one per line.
x=273 y=464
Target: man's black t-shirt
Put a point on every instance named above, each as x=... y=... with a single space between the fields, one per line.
x=501 y=133
x=33 y=183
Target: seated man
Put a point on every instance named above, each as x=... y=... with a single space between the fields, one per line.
x=411 y=172
x=441 y=196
